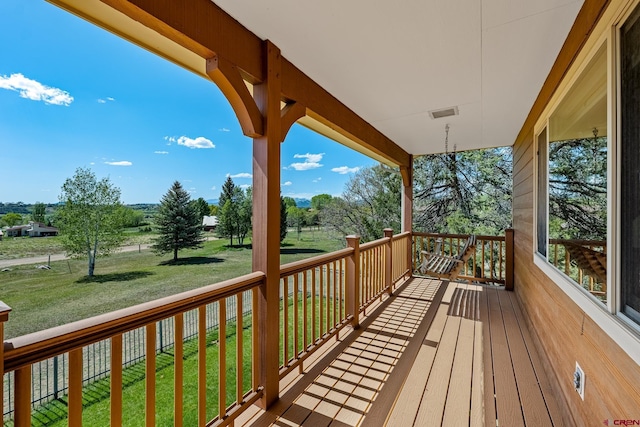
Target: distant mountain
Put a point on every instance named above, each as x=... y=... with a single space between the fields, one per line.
x=302 y=203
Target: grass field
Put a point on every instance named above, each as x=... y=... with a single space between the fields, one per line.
x=25 y=247
x=41 y=299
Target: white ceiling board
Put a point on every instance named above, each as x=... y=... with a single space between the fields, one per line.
x=392 y=62
x=500 y=12
x=516 y=59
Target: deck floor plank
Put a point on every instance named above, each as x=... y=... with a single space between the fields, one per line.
x=477 y=379
x=437 y=353
x=541 y=375
x=531 y=400
x=508 y=410
x=457 y=406
x=433 y=402
x=489 y=403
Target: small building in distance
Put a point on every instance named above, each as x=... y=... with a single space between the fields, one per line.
x=33 y=229
x=209 y=223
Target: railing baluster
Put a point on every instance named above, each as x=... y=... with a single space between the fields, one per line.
x=75 y=387
x=328 y=299
x=239 y=349
x=116 y=380
x=313 y=305
x=335 y=289
x=222 y=358
x=296 y=351
x=202 y=365
x=321 y=295
x=305 y=335
x=150 y=373
x=255 y=340
x=178 y=374
x=285 y=321
x=22 y=381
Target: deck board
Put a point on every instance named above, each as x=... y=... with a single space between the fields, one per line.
x=437 y=353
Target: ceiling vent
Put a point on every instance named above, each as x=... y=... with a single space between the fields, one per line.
x=444 y=112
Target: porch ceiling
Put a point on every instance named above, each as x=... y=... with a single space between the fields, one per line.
x=393 y=62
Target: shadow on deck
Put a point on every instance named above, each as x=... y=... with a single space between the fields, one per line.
x=436 y=353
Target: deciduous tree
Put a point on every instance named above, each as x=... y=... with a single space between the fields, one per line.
x=90 y=218
x=12 y=219
x=178 y=223
x=38 y=214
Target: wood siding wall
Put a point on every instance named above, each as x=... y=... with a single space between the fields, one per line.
x=563 y=332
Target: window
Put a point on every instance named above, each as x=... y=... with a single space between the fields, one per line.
x=572 y=181
x=630 y=167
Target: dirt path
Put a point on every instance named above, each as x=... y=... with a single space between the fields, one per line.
x=43 y=259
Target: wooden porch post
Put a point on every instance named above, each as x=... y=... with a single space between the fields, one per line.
x=509 y=260
x=407 y=206
x=352 y=268
x=266 y=222
x=388 y=260
x=4 y=316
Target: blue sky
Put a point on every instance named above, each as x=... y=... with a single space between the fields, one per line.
x=73 y=95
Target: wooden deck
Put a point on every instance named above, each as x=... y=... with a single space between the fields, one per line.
x=437 y=353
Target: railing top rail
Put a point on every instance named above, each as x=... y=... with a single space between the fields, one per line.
x=27 y=349
x=458 y=236
x=401 y=235
x=579 y=242
x=373 y=244
x=317 y=261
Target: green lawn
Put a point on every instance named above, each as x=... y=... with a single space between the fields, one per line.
x=42 y=299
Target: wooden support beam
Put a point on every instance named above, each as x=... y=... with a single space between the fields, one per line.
x=204 y=29
x=509 y=260
x=228 y=78
x=289 y=115
x=407 y=196
x=266 y=223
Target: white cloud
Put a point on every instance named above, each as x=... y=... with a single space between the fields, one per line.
x=343 y=170
x=36 y=91
x=160 y=152
x=311 y=158
x=245 y=186
x=213 y=188
x=170 y=139
x=101 y=101
x=311 y=161
x=317 y=179
x=224 y=130
x=241 y=175
x=287 y=183
x=110 y=99
x=120 y=163
x=199 y=142
x=92 y=163
x=104 y=101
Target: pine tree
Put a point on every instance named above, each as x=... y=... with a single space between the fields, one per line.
x=283 y=219
x=228 y=210
x=178 y=222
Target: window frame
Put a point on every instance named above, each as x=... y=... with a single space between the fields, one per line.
x=622 y=329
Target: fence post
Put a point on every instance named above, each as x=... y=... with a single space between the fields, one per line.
x=4 y=316
x=353 y=281
x=388 y=260
x=509 y=259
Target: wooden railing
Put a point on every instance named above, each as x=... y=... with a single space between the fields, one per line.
x=313 y=309
x=401 y=256
x=318 y=297
x=560 y=258
x=22 y=352
x=492 y=261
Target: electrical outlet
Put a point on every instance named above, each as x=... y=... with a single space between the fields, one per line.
x=578 y=380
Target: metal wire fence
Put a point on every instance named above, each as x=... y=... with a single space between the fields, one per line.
x=50 y=379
